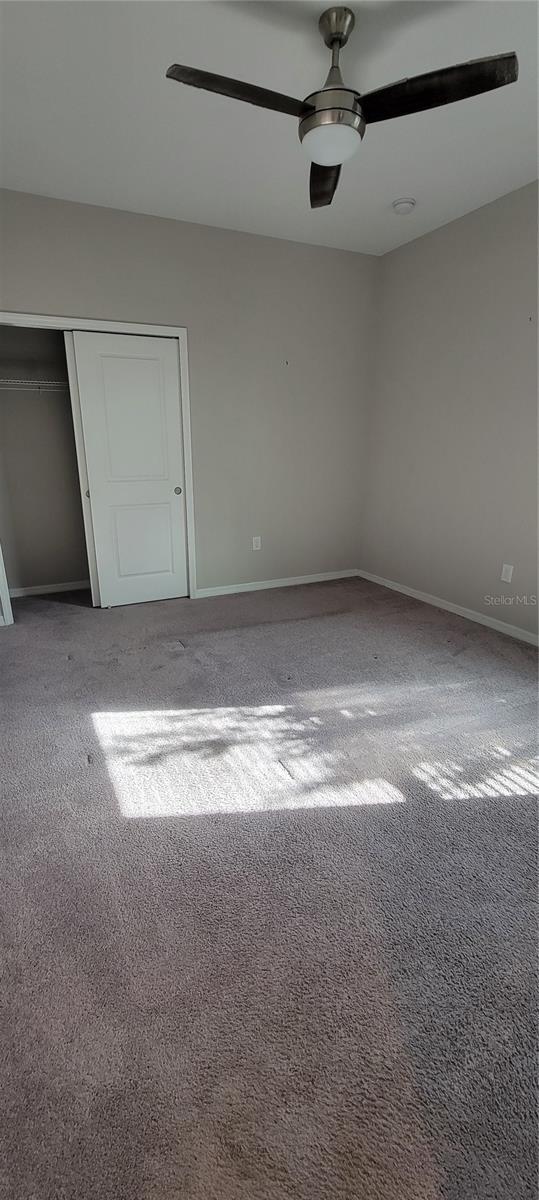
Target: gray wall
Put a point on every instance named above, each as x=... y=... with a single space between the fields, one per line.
x=278 y=393
x=41 y=529
x=450 y=484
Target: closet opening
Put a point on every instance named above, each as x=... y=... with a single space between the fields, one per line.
x=41 y=522
x=96 y=476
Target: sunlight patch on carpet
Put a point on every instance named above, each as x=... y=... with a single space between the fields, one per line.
x=452 y=780
x=191 y=762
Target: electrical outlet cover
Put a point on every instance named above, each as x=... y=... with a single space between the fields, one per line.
x=507 y=572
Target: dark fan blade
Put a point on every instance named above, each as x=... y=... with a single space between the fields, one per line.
x=237 y=90
x=323 y=184
x=439 y=87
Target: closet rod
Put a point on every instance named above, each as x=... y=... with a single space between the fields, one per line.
x=33 y=385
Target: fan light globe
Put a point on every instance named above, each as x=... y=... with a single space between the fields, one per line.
x=331 y=145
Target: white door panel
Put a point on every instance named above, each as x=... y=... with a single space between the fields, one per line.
x=6 y=614
x=130 y=403
x=143 y=538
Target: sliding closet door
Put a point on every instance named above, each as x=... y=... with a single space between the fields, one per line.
x=130 y=400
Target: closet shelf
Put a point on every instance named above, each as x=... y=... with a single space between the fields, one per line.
x=36 y=385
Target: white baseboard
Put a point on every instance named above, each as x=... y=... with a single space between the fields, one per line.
x=76 y=586
x=262 y=585
x=471 y=615
x=230 y=589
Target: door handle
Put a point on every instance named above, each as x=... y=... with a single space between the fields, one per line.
x=177 y=491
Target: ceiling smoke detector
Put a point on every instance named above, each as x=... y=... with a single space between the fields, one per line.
x=404 y=205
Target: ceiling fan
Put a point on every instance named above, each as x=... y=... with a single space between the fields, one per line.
x=332 y=121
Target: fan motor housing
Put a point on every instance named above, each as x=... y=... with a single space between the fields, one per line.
x=332 y=106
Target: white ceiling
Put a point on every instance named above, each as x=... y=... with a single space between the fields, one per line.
x=88 y=115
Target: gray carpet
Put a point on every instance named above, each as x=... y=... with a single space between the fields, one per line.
x=268 y=889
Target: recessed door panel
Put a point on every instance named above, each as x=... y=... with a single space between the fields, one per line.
x=131 y=416
x=143 y=539
x=134 y=399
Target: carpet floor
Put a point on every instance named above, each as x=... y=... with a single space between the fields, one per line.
x=268 y=888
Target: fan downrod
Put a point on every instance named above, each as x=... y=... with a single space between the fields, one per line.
x=336 y=25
